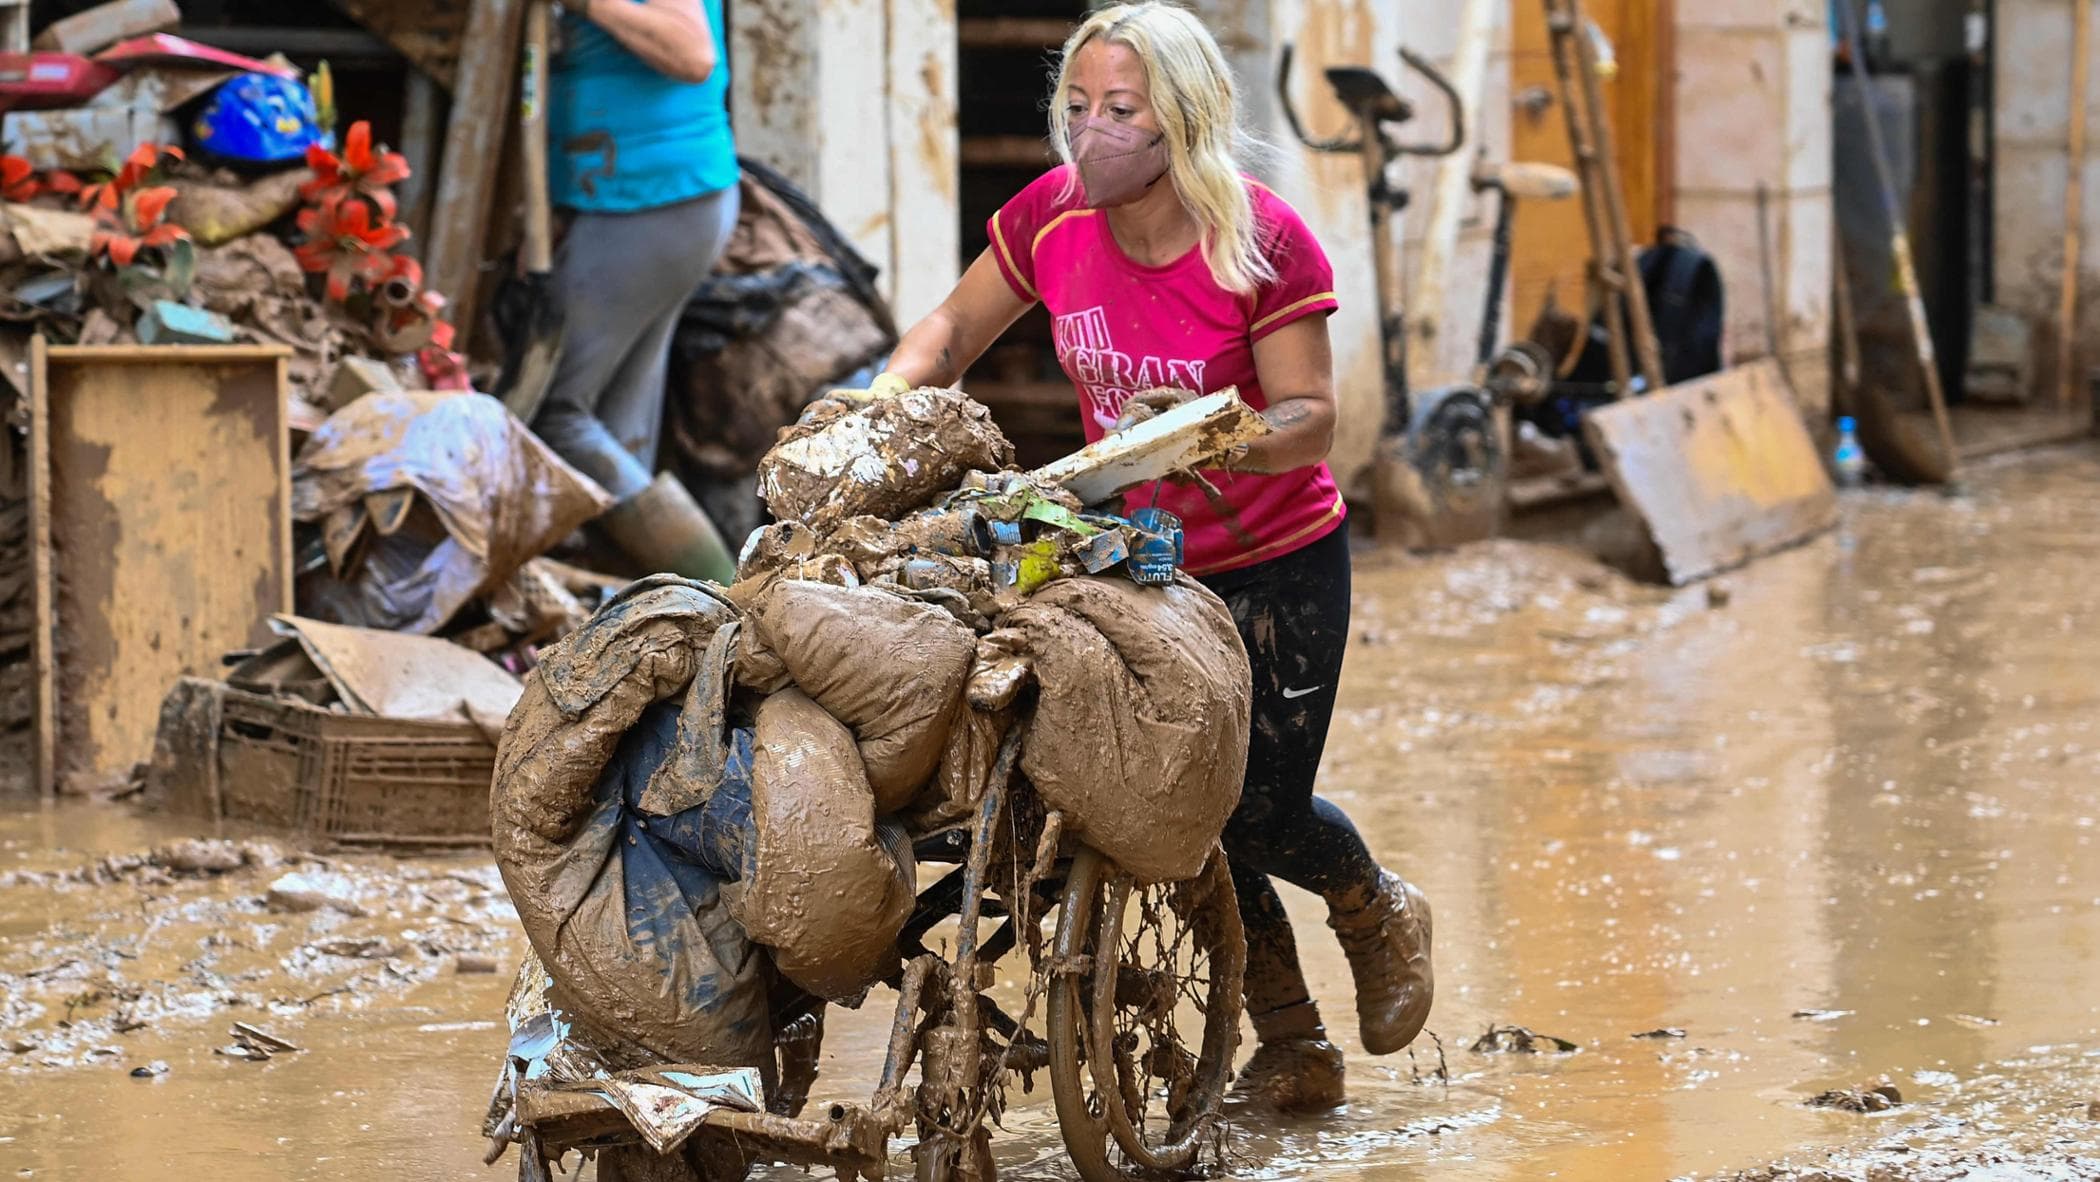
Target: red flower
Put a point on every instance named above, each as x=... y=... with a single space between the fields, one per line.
x=18 y=180
x=361 y=171
x=143 y=160
x=135 y=226
x=342 y=241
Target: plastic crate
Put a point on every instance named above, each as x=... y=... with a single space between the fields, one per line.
x=352 y=779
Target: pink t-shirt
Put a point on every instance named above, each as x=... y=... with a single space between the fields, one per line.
x=1122 y=328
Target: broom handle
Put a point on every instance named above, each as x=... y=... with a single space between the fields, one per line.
x=538 y=250
x=1899 y=240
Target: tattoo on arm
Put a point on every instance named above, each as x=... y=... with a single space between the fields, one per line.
x=1287 y=415
x=947 y=364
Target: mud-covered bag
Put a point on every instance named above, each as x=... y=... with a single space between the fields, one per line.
x=496 y=498
x=883 y=460
x=1140 y=729
x=624 y=905
x=891 y=668
x=822 y=886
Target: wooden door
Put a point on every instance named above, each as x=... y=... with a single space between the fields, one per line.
x=1550 y=246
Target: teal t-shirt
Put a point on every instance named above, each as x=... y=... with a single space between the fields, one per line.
x=622 y=137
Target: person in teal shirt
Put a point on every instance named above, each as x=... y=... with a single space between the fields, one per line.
x=642 y=163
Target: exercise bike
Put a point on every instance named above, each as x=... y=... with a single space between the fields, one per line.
x=1440 y=472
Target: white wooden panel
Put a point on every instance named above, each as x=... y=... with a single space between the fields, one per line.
x=925 y=228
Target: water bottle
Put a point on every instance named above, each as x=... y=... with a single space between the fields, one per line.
x=1877 y=38
x=1849 y=461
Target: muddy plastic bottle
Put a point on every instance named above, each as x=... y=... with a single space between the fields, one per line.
x=1848 y=461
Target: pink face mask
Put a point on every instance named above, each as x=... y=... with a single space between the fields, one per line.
x=1117 y=162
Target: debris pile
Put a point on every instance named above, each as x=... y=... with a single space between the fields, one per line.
x=697 y=770
x=356 y=735
x=166 y=191
x=1874 y=1096
x=83 y=980
x=160 y=191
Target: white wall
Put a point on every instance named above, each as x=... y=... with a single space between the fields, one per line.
x=855 y=101
x=1752 y=91
x=2033 y=69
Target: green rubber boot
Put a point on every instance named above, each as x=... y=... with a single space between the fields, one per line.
x=664 y=529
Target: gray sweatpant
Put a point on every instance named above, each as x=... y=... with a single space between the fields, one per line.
x=621 y=280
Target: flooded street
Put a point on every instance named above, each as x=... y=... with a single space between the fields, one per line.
x=1826 y=820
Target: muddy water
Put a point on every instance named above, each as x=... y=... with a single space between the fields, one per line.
x=1860 y=783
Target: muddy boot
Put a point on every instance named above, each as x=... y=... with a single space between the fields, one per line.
x=664 y=529
x=1386 y=938
x=1295 y=1069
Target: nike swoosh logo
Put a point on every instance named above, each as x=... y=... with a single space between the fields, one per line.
x=1296 y=694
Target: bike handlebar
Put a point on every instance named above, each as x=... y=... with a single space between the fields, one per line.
x=1347 y=144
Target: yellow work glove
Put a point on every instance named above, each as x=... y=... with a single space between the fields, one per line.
x=885 y=385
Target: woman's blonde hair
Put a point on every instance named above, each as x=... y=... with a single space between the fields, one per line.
x=1194 y=99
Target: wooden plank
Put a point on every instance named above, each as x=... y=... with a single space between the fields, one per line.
x=2074 y=203
x=422 y=128
x=288 y=577
x=1012 y=32
x=102 y=26
x=165 y=354
x=481 y=108
x=1540 y=492
x=925 y=179
x=849 y=102
x=426 y=32
x=167 y=484
x=1720 y=470
x=44 y=591
x=1007 y=151
x=1981 y=432
x=1195 y=434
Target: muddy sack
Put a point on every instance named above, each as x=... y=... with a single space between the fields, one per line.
x=883 y=460
x=823 y=886
x=1140 y=728
x=891 y=668
x=624 y=905
x=451 y=490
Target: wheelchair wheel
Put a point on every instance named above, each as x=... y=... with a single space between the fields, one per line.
x=1144 y=1017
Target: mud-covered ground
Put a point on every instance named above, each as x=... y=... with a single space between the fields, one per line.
x=1824 y=826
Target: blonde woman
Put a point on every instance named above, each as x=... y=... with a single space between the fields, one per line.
x=1162 y=265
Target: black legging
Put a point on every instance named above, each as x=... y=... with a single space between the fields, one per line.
x=1293 y=615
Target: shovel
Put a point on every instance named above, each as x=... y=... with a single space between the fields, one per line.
x=531 y=318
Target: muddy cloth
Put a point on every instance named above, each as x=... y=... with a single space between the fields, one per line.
x=495 y=496
x=824 y=886
x=624 y=906
x=883 y=460
x=890 y=668
x=1139 y=734
x=621 y=280
x=1293 y=615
